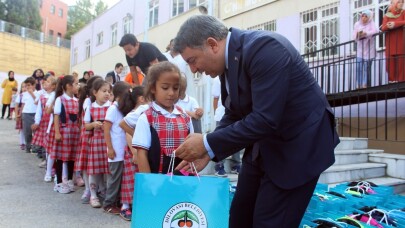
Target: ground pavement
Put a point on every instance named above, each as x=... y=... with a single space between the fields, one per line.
x=27 y=201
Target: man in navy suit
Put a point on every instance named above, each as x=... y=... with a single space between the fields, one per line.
x=274 y=108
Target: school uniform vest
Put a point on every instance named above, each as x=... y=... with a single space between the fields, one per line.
x=167 y=134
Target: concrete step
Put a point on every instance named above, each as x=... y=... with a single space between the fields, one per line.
x=397 y=183
x=348 y=143
x=352 y=172
x=344 y=157
x=395 y=163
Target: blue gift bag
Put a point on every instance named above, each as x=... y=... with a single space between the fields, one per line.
x=175 y=201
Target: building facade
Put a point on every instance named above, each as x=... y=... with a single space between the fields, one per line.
x=54 y=18
x=309 y=25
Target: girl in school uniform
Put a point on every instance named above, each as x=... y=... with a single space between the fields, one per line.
x=18 y=119
x=117 y=146
x=67 y=133
x=128 y=125
x=42 y=117
x=82 y=158
x=164 y=126
x=94 y=117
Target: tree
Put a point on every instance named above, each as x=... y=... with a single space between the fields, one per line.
x=21 y=12
x=82 y=14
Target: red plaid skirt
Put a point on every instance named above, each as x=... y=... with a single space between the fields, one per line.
x=67 y=148
x=128 y=178
x=83 y=157
x=39 y=138
x=97 y=159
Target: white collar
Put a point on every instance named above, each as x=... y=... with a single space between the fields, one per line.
x=164 y=111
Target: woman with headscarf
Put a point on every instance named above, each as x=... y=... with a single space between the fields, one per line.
x=8 y=85
x=38 y=75
x=86 y=77
x=393 y=23
x=364 y=29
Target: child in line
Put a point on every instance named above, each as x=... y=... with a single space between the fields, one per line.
x=116 y=148
x=128 y=125
x=67 y=133
x=41 y=116
x=28 y=111
x=18 y=119
x=14 y=96
x=163 y=122
x=94 y=117
x=82 y=158
x=190 y=106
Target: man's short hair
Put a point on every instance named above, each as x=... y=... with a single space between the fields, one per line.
x=128 y=39
x=118 y=65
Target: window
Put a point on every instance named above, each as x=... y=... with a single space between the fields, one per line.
x=75 y=56
x=87 y=54
x=51 y=32
x=127 y=24
x=114 y=34
x=178 y=7
x=100 y=38
x=52 y=9
x=194 y=3
x=60 y=12
x=320 y=30
x=269 y=26
x=153 y=12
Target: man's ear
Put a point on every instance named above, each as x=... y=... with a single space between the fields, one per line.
x=213 y=44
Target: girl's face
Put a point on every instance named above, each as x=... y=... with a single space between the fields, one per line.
x=112 y=96
x=51 y=86
x=166 y=90
x=74 y=88
x=23 y=88
x=38 y=73
x=103 y=94
x=86 y=76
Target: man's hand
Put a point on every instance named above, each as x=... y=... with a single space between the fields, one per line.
x=192 y=148
x=199 y=164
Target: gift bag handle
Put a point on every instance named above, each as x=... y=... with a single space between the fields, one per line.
x=171 y=166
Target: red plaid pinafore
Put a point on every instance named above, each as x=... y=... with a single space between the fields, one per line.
x=98 y=159
x=167 y=134
x=39 y=138
x=18 y=122
x=128 y=178
x=67 y=148
x=83 y=156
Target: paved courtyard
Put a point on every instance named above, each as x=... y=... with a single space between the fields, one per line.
x=27 y=201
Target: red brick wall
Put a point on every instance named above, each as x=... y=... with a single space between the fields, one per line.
x=53 y=21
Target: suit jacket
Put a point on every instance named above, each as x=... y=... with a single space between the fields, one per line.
x=112 y=73
x=276 y=111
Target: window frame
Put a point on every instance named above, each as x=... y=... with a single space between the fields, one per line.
x=87 y=52
x=153 y=13
x=114 y=34
x=176 y=8
x=100 y=38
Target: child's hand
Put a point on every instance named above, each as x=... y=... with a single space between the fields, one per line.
x=97 y=124
x=34 y=127
x=58 y=137
x=199 y=112
x=111 y=153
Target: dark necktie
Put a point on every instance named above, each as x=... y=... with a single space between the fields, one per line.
x=117 y=78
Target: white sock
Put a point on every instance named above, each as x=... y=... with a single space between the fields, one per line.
x=124 y=206
x=22 y=137
x=64 y=171
x=49 y=165
x=86 y=180
x=93 y=185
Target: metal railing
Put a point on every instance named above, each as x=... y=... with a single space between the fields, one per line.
x=373 y=110
x=33 y=34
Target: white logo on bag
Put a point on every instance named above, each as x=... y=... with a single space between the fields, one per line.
x=187 y=215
